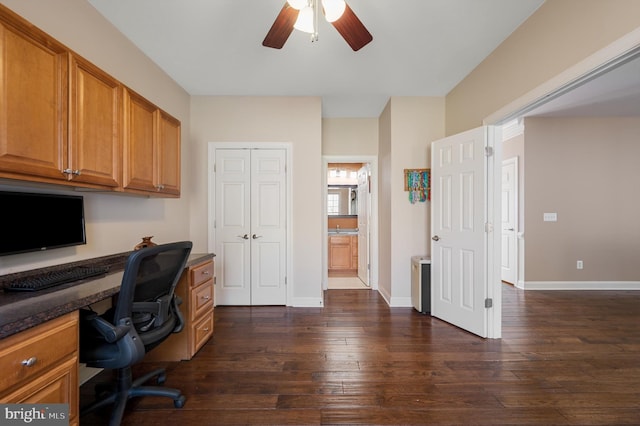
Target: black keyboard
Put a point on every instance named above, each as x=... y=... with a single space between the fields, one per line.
x=54 y=278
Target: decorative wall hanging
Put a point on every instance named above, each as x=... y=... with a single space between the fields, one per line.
x=418 y=183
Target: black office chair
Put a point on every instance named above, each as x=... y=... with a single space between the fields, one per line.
x=145 y=314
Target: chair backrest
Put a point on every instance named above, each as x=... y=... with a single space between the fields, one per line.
x=147 y=291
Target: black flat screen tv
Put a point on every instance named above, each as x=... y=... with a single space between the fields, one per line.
x=37 y=222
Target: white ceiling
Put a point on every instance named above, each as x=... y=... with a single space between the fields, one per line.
x=419 y=47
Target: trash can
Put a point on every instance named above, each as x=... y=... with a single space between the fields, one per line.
x=421 y=283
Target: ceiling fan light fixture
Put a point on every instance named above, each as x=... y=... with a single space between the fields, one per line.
x=298 y=4
x=333 y=9
x=305 y=21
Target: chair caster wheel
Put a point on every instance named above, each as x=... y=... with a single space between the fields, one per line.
x=179 y=403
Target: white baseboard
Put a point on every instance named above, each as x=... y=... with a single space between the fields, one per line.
x=579 y=285
x=307 y=302
x=400 y=302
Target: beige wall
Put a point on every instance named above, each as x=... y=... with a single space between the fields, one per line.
x=268 y=119
x=558 y=35
x=115 y=223
x=349 y=136
x=408 y=126
x=384 y=202
x=585 y=170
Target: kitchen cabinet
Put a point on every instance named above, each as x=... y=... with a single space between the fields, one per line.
x=339 y=252
x=195 y=288
x=151 y=148
x=343 y=252
x=40 y=365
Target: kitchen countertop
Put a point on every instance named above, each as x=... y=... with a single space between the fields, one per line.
x=22 y=310
x=346 y=231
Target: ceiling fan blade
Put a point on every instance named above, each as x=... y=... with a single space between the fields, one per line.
x=281 y=28
x=352 y=30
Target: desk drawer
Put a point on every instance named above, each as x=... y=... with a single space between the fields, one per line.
x=202 y=331
x=201 y=299
x=201 y=273
x=45 y=345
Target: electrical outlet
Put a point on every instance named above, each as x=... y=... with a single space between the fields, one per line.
x=579 y=264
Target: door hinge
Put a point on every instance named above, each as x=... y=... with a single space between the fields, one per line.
x=488 y=303
x=285 y=280
x=214 y=167
x=368 y=266
x=488 y=227
x=488 y=151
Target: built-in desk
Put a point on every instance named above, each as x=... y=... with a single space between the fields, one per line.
x=39 y=330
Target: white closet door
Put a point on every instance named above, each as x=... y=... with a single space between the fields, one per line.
x=268 y=227
x=233 y=226
x=251 y=226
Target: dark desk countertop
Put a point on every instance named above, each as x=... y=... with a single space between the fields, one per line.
x=22 y=310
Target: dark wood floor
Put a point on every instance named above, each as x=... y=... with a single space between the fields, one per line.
x=565 y=358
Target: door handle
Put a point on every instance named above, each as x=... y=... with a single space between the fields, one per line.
x=255 y=237
x=244 y=237
x=510 y=229
x=435 y=238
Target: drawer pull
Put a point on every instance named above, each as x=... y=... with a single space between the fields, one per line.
x=206 y=329
x=206 y=297
x=205 y=272
x=29 y=362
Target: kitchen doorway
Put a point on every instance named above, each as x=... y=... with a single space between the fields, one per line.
x=350 y=231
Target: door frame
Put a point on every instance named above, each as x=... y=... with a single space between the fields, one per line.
x=373 y=219
x=211 y=202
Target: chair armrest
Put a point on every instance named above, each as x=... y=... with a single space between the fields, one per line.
x=110 y=332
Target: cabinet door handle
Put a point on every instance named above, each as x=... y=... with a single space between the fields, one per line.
x=29 y=362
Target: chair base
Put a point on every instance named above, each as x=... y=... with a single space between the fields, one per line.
x=126 y=388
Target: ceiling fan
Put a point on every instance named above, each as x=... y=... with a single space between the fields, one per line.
x=303 y=15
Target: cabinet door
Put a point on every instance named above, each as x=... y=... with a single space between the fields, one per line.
x=140 y=154
x=340 y=252
x=169 y=154
x=95 y=155
x=33 y=103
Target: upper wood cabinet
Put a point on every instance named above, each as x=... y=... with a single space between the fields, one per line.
x=33 y=103
x=151 y=147
x=95 y=151
x=169 y=153
x=65 y=121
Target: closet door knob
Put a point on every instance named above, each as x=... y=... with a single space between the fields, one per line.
x=435 y=238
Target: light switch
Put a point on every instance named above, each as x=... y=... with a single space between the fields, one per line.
x=550 y=217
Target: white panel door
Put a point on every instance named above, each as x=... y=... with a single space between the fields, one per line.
x=250 y=226
x=509 y=220
x=268 y=227
x=233 y=226
x=363 y=224
x=458 y=202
